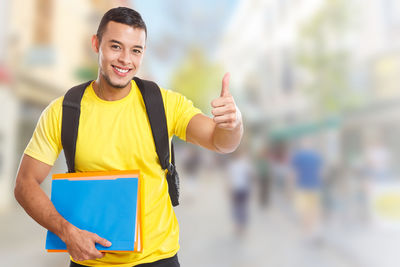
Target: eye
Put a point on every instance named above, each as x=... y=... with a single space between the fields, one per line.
x=115 y=46
x=136 y=51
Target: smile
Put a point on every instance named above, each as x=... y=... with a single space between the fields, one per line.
x=121 y=71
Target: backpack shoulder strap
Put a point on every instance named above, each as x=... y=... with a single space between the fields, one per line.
x=71 y=110
x=155 y=111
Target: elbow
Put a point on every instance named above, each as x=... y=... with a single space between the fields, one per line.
x=17 y=191
x=20 y=188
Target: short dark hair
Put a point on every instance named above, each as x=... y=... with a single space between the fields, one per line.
x=122 y=15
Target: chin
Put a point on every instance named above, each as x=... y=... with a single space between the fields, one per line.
x=119 y=84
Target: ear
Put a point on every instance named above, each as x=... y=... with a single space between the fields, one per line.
x=95 y=43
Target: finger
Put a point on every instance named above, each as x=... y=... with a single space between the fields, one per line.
x=221 y=101
x=218 y=102
x=102 y=241
x=89 y=253
x=76 y=258
x=225 y=84
x=99 y=255
x=94 y=254
x=227 y=118
x=226 y=109
x=226 y=125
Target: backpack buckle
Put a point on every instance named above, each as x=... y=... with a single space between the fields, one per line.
x=171 y=168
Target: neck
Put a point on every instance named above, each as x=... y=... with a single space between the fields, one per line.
x=107 y=92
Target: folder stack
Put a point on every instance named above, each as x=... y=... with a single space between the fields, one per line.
x=104 y=203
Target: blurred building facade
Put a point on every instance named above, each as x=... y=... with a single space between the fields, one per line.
x=375 y=69
x=259 y=49
x=263 y=52
x=328 y=70
x=48 y=46
x=8 y=111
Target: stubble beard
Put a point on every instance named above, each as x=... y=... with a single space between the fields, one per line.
x=110 y=83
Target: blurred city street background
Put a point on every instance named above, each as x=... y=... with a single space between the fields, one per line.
x=316 y=180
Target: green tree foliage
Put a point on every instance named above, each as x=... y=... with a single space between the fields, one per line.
x=324 y=54
x=198 y=79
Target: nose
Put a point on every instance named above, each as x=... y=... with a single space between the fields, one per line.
x=124 y=57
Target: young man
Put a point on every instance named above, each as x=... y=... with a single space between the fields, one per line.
x=114 y=134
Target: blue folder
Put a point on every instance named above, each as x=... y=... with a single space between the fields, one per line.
x=107 y=204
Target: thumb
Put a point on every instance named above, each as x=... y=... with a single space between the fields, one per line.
x=102 y=241
x=225 y=85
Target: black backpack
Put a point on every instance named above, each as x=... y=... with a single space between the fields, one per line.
x=155 y=111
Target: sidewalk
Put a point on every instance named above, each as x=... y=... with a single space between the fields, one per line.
x=207 y=238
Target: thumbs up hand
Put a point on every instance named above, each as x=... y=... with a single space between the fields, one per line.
x=226 y=113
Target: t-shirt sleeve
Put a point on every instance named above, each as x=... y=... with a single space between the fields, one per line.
x=180 y=111
x=45 y=144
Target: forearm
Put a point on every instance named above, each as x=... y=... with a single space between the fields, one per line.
x=38 y=205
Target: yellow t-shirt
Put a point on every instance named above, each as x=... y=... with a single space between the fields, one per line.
x=116 y=135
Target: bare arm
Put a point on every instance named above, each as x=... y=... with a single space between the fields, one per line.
x=33 y=199
x=222 y=133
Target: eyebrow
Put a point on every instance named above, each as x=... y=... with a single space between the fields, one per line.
x=118 y=42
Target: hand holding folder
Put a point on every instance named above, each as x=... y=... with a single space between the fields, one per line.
x=104 y=203
x=81 y=244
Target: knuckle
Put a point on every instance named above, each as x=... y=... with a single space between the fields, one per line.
x=91 y=256
x=94 y=255
x=221 y=125
x=229 y=99
x=75 y=256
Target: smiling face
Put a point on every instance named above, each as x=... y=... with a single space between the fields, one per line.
x=120 y=52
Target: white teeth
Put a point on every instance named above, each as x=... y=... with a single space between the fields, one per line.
x=121 y=70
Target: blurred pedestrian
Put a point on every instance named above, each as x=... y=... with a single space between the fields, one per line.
x=240 y=172
x=191 y=165
x=279 y=160
x=263 y=176
x=307 y=165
